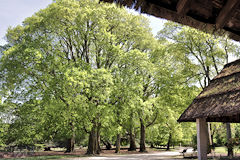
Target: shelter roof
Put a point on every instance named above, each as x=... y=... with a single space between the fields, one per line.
x=207 y=15
x=220 y=100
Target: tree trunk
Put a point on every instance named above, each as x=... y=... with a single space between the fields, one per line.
x=210 y=138
x=71 y=141
x=132 y=141
x=169 y=141
x=92 y=141
x=107 y=144
x=118 y=141
x=98 y=148
x=142 y=137
x=133 y=146
x=70 y=144
x=229 y=136
x=152 y=146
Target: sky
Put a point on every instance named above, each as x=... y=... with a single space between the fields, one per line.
x=13 y=13
x=156 y=23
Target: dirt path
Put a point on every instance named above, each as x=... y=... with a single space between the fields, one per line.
x=146 y=156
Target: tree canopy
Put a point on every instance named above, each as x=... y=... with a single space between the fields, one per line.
x=90 y=73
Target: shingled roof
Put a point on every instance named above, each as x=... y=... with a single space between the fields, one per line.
x=207 y=15
x=220 y=100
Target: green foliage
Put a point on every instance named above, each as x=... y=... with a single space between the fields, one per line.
x=201 y=57
x=203 y=54
x=80 y=65
x=71 y=66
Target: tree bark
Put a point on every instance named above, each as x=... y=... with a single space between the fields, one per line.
x=210 y=137
x=118 y=141
x=152 y=146
x=142 y=137
x=70 y=144
x=107 y=144
x=92 y=141
x=229 y=136
x=169 y=141
x=133 y=146
x=98 y=148
x=71 y=141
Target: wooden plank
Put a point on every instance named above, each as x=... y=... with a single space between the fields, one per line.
x=161 y=12
x=183 y=6
x=202 y=138
x=204 y=8
x=226 y=13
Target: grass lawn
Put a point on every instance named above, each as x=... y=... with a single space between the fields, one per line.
x=220 y=150
x=224 y=150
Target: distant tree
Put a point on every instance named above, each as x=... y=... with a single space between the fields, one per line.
x=203 y=54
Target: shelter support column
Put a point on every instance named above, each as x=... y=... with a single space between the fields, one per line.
x=202 y=138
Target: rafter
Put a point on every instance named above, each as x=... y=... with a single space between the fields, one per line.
x=183 y=6
x=226 y=13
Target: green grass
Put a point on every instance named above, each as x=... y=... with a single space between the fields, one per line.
x=43 y=157
x=224 y=150
x=220 y=150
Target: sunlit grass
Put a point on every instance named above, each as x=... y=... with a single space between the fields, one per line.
x=220 y=150
x=224 y=150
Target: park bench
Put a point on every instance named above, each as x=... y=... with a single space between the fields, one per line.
x=189 y=153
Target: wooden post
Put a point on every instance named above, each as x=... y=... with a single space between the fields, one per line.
x=202 y=138
x=229 y=136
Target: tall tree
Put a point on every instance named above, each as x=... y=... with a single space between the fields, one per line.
x=204 y=53
x=65 y=56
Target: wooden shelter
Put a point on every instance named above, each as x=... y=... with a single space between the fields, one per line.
x=218 y=102
x=206 y=15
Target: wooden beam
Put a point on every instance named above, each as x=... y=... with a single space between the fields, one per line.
x=202 y=138
x=183 y=6
x=204 y=7
x=226 y=13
